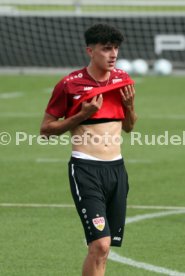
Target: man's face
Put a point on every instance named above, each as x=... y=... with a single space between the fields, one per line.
x=103 y=56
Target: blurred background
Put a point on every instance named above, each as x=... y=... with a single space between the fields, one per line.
x=49 y=33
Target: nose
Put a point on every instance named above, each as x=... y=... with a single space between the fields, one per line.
x=114 y=52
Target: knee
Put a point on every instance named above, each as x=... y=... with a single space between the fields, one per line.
x=100 y=248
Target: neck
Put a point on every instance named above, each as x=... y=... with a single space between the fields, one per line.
x=98 y=74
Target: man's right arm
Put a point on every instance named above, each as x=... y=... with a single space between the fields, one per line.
x=52 y=126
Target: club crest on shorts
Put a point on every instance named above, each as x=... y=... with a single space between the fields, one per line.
x=99 y=223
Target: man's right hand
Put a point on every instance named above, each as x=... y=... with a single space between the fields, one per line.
x=89 y=108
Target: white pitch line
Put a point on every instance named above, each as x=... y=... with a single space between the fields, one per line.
x=119 y=259
x=40 y=205
x=153 y=215
x=136 y=161
x=19 y=115
x=156 y=207
x=149 y=267
x=114 y=256
x=51 y=160
x=10 y=95
x=55 y=160
x=160 y=117
x=36 y=205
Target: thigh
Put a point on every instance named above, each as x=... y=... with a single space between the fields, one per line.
x=116 y=207
x=89 y=202
x=92 y=213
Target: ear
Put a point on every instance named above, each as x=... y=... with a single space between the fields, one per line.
x=89 y=51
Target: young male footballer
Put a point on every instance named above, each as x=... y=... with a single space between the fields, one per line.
x=96 y=104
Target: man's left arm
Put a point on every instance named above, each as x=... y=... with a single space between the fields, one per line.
x=128 y=95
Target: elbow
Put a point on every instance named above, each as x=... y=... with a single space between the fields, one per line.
x=128 y=125
x=128 y=129
x=48 y=126
x=44 y=132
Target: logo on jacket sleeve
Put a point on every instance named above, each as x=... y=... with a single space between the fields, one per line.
x=116 y=80
x=76 y=97
x=87 y=88
x=99 y=223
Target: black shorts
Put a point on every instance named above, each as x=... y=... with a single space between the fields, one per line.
x=99 y=190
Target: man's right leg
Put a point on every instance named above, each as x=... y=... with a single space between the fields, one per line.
x=91 y=206
x=95 y=262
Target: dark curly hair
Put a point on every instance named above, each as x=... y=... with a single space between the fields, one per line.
x=103 y=34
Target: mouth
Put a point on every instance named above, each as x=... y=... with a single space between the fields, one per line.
x=111 y=63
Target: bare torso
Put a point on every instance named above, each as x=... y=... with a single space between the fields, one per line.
x=99 y=140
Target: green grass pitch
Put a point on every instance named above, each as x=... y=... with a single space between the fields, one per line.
x=49 y=241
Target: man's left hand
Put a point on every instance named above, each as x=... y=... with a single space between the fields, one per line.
x=127 y=95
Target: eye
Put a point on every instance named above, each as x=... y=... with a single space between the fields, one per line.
x=107 y=48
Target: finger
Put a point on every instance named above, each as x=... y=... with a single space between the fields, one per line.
x=100 y=100
x=127 y=91
x=133 y=89
x=94 y=99
x=100 y=96
x=132 y=93
x=128 y=88
x=122 y=94
x=84 y=102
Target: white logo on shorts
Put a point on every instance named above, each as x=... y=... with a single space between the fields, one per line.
x=83 y=210
x=99 y=223
x=116 y=239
